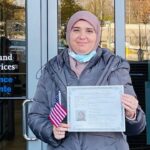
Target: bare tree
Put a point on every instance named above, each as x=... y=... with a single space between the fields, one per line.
x=103 y=9
x=140 y=15
x=140 y=11
x=8 y=12
x=145 y=11
x=68 y=8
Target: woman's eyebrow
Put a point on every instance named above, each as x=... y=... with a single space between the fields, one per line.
x=76 y=27
x=86 y=28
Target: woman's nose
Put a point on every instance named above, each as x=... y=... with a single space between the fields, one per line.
x=82 y=35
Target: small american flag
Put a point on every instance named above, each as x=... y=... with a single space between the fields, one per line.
x=58 y=112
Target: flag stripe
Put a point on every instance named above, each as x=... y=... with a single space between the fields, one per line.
x=58 y=113
x=54 y=121
x=53 y=118
x=55 y=115
x=60 y=107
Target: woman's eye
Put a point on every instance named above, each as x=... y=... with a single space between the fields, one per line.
x=90 y=31
x=76 y=30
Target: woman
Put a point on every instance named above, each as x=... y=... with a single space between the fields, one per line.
x=83 y=63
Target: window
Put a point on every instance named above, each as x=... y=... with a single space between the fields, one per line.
x=103 y=9
x=138 y=30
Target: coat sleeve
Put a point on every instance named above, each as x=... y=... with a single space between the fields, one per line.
x=40 y=109
x=122 y=77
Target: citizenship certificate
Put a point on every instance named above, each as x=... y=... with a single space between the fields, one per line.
x=95 y=108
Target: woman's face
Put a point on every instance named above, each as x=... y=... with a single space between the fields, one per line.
x=82 y=37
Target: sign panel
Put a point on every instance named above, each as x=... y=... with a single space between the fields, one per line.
x=12 y=68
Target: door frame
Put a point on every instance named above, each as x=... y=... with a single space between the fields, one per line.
x=42 y=38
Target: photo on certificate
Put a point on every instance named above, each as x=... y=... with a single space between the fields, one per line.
x=80 y=115
x=95 y=108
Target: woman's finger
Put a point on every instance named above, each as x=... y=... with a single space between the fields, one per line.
x=60 y=131
x=130 y=105
x=127 y=108
x=57 y=133
x=64 y=125
x=129 y=100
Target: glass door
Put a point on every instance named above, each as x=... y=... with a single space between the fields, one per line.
x=137 y=52
x=12 y=71
x=12 y=50
x=46 y=23
x=46 y=36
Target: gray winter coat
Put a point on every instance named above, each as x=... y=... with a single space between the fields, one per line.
x=103 y=69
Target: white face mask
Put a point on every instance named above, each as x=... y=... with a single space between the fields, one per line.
x=82 y=58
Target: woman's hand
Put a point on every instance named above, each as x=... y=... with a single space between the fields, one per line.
x=130 y=104
x=59 y=132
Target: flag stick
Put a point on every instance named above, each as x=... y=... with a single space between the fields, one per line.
x=59 y=96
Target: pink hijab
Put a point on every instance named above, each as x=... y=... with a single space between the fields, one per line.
x=78 y=67
x=87 y=16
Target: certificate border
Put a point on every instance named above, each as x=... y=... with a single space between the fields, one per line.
x=73 y=88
